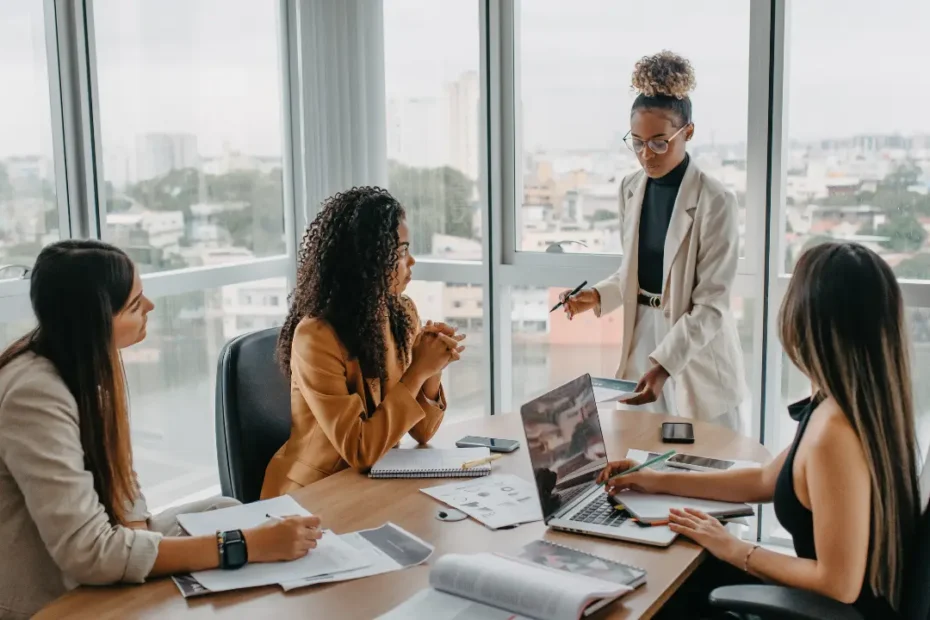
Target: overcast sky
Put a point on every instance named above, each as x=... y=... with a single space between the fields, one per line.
x=210 y=67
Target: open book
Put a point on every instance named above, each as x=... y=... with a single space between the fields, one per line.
x=486 y=585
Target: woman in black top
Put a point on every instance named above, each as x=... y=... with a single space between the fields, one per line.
x=679 y=229
x=847 y=488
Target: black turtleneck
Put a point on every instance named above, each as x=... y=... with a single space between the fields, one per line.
x=658 y=203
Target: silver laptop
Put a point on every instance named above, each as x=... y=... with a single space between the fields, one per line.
x=567 y=451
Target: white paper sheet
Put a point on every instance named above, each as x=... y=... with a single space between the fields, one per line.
x=386 y=549
x=498 y=500
x=436 y=605
x=332 y=555
x=239 y=517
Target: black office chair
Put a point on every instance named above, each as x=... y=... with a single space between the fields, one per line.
x=780 y=603
x=253 y=412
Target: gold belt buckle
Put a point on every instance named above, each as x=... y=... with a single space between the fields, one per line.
x=655 y=302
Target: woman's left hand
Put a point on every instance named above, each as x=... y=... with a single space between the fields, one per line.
x=649 y=387
x=708 y=532
x=439 y=328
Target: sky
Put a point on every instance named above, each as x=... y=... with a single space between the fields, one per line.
x=211 y=67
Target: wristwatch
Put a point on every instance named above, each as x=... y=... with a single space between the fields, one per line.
x=233 y=551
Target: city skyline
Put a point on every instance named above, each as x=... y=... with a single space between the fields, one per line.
x=575 y=81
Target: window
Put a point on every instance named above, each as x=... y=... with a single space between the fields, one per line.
x=171 y=381
x=463 y=380
x=191 y=129
x=432 y=123
x=575 y=62
x=858 y=160
x=28 y=202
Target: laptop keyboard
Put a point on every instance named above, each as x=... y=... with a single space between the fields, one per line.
x=601 y=513
x=568 y=496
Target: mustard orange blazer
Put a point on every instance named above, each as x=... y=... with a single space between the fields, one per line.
x=338 y=417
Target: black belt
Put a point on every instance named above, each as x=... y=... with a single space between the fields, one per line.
x=651 y=301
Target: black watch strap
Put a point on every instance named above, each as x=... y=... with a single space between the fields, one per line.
x=232 y=549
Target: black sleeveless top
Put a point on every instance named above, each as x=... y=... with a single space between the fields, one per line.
x=799 y=521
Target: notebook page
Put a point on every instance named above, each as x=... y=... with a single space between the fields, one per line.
x=416 y=460
x=240 y=517
x=646 y=507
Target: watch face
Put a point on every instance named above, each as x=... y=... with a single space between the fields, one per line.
x=235 y=554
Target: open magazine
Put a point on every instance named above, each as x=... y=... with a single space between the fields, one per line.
x=486 y=585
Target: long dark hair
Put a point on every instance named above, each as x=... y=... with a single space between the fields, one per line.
x=842 y=325
x=76 y=289
x=346 y=265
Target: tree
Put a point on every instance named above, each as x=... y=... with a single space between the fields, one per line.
x=437 y=200
x=792 y=259
x=175 y=191
x=904 y=176
x=603 y=215
x=904 y=232
x=915 y=268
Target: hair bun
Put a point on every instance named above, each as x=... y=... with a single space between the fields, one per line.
x=665 y=73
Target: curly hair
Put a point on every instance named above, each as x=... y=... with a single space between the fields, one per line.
x=664 y=81
x=346 y=266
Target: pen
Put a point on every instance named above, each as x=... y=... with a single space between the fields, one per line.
x=274 y=517
x=658 y=459
x=574 y=292
x=477 y=462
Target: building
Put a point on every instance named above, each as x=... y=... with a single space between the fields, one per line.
x=462 y=105
x=417 y=132
x=251 y=306
x=157 y=154
x=159 y=231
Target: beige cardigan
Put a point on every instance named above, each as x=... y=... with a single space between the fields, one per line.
x=54 y=532
x=702 y=350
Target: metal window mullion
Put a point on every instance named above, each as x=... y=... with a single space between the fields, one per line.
x=165 y=283
x=293 y=179
x=71 y=94
x=773 y=284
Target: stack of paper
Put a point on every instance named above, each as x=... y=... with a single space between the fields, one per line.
x=332 y=554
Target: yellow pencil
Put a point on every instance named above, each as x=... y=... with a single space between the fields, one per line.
x=477 y=462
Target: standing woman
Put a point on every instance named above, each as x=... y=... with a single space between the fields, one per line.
x=680 y=240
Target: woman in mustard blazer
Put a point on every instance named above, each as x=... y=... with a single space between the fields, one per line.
x=363 y=372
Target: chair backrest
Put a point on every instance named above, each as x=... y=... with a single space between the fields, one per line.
x=917 y=585
x=253 y=412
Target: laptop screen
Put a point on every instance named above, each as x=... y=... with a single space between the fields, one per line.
x=563 y=435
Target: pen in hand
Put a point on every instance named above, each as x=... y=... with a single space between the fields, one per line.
x=574 y=292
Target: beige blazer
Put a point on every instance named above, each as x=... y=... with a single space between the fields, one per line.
x=340 y=418
x=54 y=531
x=702 y=350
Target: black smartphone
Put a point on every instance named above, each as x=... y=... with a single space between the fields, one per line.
x=677 y=432
x=494 y=445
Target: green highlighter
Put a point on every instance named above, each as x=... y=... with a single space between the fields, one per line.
x=653 y=461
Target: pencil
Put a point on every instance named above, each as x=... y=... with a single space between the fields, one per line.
x=477 y=462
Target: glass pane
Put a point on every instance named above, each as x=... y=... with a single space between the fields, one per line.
x=575 y=61
x=431 y=79
x=459 y=305
x=857 y=157
x=795 y=386
x=28 y=203
x=171 y=381
x=190 y=110
x=549 y=350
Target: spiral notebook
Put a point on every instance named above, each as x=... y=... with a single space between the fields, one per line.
x=430 y=463
x=560 y=557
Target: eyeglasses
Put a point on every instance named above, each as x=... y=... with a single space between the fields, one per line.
x=656 y=146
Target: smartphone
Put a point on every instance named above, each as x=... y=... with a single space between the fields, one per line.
x=699 y=463
x=677 y=432
x=494 y=445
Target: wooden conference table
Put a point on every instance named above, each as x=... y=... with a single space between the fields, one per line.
x=349 y=501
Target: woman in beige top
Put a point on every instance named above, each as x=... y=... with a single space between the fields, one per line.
x=71 y=511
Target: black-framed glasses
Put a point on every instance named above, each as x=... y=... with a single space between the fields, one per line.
x=658 y=147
